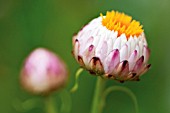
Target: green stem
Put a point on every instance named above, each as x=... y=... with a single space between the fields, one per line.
x=97 y=95
x=123 y=89
x=49 y=105
x=66 y=102
x=76 y=85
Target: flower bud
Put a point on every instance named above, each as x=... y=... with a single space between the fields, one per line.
x=113 y=46
x=43 y=72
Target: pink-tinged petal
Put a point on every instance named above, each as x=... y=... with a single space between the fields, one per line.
x=132 y=76
x=138 y=64
x=132 y=59
x=146 y=53
x=96 y=66
x=145 y=69
x=112 y=61
x=74 y=39
x=124 y=53
x=122 y=69
x=88 y=55
x=91 y=47
x=85 y=44
x=85 y=41
x=125 y=68
x=104 y=49
x=89 y=42
x=81 y=62
x=138 y=51
x=85 y=50
x=76 y=49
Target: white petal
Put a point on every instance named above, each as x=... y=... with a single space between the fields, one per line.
x=129 y=48
x=140 y=47
x=99 y=46
x=101 y=53
x=113 y=35
x=124 y=53
x=117 y=44
x=133 y=45
x=136 y=40
x=110 y=45
x=123 y=39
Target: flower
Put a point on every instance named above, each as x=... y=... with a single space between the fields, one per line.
x=43 y=72
x=113 y=46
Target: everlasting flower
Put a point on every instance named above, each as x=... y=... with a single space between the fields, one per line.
x=43 y=72
x=113 y=46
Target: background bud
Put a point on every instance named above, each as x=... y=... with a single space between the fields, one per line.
x=43 y=72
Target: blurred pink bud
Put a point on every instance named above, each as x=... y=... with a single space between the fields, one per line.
x=43 y=72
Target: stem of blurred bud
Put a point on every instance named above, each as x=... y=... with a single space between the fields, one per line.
x=100 y=83
x=49 y=105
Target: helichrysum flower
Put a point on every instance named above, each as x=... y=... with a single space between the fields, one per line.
x=113 y=46
x=43 y=72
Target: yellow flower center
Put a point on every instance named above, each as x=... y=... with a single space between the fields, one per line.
x=122 y=23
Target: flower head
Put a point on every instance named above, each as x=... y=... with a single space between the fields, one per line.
x=43 y=72
x=113 y=46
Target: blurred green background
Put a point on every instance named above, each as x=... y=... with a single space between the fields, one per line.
x=27 y=24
